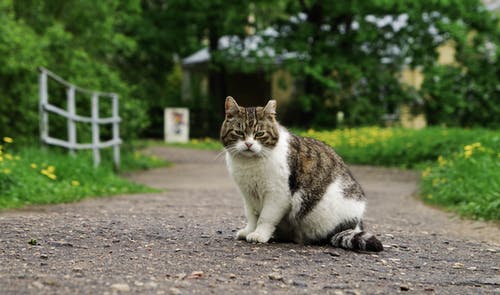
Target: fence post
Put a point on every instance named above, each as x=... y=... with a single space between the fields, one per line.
x=116 y=133
x=44 y=100
x=95 y=129
x=71 y=122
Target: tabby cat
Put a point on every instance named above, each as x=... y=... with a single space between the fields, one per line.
x=294 y=188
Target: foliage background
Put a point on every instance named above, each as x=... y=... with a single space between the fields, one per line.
x=347 y=55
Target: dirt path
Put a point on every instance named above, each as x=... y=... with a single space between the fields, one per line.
x=181 y=242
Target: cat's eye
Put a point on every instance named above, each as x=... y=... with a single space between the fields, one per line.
x=259 y=134
x=239 y=133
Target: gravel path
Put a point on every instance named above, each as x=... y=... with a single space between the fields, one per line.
x=181 y=242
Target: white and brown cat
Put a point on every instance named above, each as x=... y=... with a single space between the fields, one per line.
x=294 y=188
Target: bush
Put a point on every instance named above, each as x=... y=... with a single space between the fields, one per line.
x=459 y=97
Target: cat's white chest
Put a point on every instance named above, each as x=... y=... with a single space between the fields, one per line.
x=260 y=177
x=257 y=177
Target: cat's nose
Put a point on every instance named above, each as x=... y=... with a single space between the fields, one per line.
x=248 y=144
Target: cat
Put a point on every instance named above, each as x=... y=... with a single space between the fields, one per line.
x=294 y=188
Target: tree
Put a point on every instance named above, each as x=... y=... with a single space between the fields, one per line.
x=62 y=36
x=350 y=52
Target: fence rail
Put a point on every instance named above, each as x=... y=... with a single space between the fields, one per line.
x=70 y=114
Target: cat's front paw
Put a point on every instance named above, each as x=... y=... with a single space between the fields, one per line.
x=242 y=234
x=256 y=237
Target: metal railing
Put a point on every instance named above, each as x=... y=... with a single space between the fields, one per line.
x=70 y=114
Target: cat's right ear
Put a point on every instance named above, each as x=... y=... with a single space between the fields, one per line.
x=232 y=108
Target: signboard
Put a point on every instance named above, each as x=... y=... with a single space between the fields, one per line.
x=176 y=125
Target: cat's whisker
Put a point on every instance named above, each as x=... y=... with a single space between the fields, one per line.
x=223 y=152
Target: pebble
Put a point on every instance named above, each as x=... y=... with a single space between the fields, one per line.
x=38 y=285
x=195 y=275
x=299 y=284
x=404 y=287
x=175 y=291
x=457 y=265
x=121 y=287
x=332 y=253
x=232 y=276
x=275 y=276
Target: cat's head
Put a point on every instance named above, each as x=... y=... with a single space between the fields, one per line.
x=249 y=132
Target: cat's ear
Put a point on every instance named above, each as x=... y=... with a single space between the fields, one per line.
x=270 y=108
x=232 y=108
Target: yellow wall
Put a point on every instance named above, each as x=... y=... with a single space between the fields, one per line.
x=415 y=78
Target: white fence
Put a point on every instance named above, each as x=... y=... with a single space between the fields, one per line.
x=71 y=143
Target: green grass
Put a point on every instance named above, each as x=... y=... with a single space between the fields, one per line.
x=466 y=181
x=34 y=175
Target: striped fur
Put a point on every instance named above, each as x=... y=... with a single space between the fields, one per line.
x=294 y=188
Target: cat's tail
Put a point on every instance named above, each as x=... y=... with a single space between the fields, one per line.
x=357 y=240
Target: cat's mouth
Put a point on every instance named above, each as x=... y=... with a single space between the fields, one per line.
x=248 y=153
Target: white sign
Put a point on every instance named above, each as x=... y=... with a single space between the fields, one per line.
x=176 y=125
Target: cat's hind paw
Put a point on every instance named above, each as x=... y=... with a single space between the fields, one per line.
x=256 y=237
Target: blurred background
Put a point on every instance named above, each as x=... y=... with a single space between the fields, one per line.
x=328 y=63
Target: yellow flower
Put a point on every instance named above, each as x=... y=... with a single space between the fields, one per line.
x=435 y=182
x=6 y=171
x=1 y=158
x=75 y=183
x=48 y=173
x=429 y=196
x=8 y=139
x=51 y=169
x=33 y=165
x=8 y=156
x=426 y=172
x=468 y=153
x=441 y=161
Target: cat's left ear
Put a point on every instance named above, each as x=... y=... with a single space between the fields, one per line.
x=270 y=107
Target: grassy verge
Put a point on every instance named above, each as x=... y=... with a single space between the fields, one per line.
x=466 y=181
x=32 y=175
x=406 y=148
